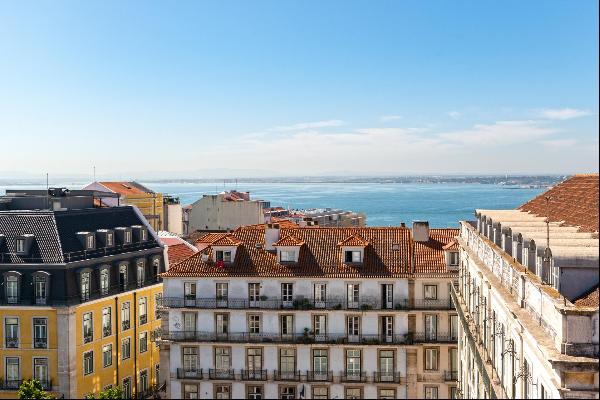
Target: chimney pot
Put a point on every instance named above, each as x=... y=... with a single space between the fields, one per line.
x=420 y=231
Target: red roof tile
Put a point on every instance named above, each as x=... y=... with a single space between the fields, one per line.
x=429 y=256
x=179 y=252
x=289 y=241
x=452 y=245
x=354 y=240
x=320 y=256
x=588 y=299
x=227 y=240
x=573 y=201
x=124 y=188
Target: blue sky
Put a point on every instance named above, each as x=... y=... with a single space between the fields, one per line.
x=298 y=88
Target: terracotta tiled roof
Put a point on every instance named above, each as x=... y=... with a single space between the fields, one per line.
x=429 y=256
x=320 y=256
x=178 y=253
x=124 y=188
x=452 y=245
x=227 y=240
x=354 y=240
x=573 y=201
x=289 y=241
x=588 y=299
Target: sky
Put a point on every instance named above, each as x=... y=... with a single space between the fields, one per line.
x=271 y=88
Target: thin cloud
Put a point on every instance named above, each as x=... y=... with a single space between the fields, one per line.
x=499 y=133
x=454 y=114
x=388 y=118
x=560 y=143
x=563 y=113
x=308 y=125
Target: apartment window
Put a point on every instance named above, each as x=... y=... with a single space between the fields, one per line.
x=453 y=355
x=89 y=240
x=453 y=258
x=143 y=310
x=13 y=372
x=40 y=289
x=222 y=358
x=320 y=392
x=254 y=359
x=40 y=370
x=40 y=333
x=143 y=342
x=141 y=272
x=157 y=305
x=352 y=256
x=387 y=296
x=123 y=276
x=127 y=388
x=353 y=393
x=287 y=360
x=431 y=359
x=143 y=381
x=454 y=327
x=222 y=291
x=430 y=327
x=125 y=348
x=88 y=327
x=543 y=392
x=386 y=364
x=320 y=362
x=287 y=256
x=319 y=325
x=254 y=294
x=127 y=237
x=85 y=286
x=110 y=239
x=353 y=291
x=12 y=289
x=222 y=392
x=107 y=355
x=287 y=392
x=106 y=322
x=189 y=323
x=223 y=255
x=386 y=328
x=157 y=373
x=453 y=392
x=144 y=235
x=286 y=325
x=255 y=392
x=190 y=391
x=88 y=362
x=254 y=324
x=430 y=292
x=20 y=245
x=353 y=363
x=125 y=317
x=287 y=292
x=104 y=281
x=387 y=394
x=189 y=293
x=190 y=359
x=156 y=268
x=320 y=294
x=353 y=324
x=431 y=392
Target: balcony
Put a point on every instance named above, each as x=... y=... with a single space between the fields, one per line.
x=424 y=337
x=106 y=331
x=319 y=376
x=286 y=376
x=11 y=384
x=386 y=377
x=221 y=374
x=125 y=325
x=367 y=304
x=143 y=319
x=300 y=338
x=12 y=342
x=353 y=376
x=450 y=376
x=183 y=373
x=254 y=374
x=40 y=343
x=88 y=337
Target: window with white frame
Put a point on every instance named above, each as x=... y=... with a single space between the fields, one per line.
x=104 y=281
x=20 y=245
x=88 y=327
x=223 y=255
x=40 y=333
x=143 y=342
x=287 y=256
x=125 y=316
x=254 y=323
x=40 y=370
x=143 y=310
x=453 y=258
x=222 y=290
x=13 y=371
x=107 y=355
x=89 y=240
x=430 y=292
x=431 y=359
x=431 y=392
x=88 y=362
x=353 y=256
x=125 y=348
x=12 y=289
x=141 y=272
x=106 y=322
x=11 y=332
x=40 y=287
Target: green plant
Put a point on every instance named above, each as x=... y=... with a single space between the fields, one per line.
x=32 y=389
x=108 y=394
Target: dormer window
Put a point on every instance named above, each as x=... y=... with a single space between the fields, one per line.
x=89 y=242
x=144 y=235
x=352 y=256
x=287 y=256
x=110 y=239
x=85 y=285
x=141 y=272
x=127 y=238
x=20 y=247
x=223 y=255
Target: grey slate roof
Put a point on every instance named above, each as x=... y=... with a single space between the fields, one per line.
x=46 y=246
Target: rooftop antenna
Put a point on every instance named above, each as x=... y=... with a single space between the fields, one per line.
x=94 y=173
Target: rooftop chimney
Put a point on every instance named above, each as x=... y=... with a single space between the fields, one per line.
x=420 y=231
x=272 y=234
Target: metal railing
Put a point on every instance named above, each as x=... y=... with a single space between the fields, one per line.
x=12 y=342
x=224 y=374
x=254 y=374
x=13 y=384
x=40 y=343
x=450 y=376
x=286 y=375
x=245 y=337
x=353 y=376
x=306 y=304
x=382 y=377
x=319 y=376
x=183 y=373
x=425 y=337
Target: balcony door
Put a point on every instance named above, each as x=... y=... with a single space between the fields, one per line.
x=387 y=296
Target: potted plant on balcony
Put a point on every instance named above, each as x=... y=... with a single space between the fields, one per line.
x=307 y=336
x=264 y=298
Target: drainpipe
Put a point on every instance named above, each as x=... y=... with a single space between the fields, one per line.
x=135 y=339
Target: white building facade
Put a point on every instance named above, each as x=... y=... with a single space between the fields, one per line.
x=312 y=313
x=528 y=297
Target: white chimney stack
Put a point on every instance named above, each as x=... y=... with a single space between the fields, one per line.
x=420 y=231
x=272 y=234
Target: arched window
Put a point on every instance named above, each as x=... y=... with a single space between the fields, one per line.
x=41 y=281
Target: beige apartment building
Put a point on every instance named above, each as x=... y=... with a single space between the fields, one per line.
x=274 y=312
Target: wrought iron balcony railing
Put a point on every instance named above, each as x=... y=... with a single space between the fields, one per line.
x=13 y=384
x=224 y=374
x=254 y=374
x=286 y=375
x=450 y=376
x=383 y=377
x=184 y=373
x=12 y=342
x=319 y=376
x=348 y=376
